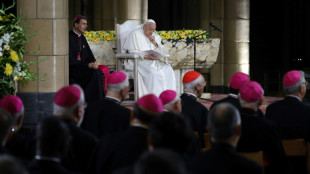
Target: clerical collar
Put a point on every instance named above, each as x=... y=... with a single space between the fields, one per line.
x=140 y=125
x=188 y=93
x=294 y=96
x=46 y=158
x=113 y=99
x=233 y=95
x=79 y=35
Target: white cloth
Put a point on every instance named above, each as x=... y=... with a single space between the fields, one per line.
x=154 y=76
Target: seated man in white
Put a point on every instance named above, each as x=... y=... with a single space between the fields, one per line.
x=154 y=76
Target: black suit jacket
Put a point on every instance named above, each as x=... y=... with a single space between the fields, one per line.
x=106 y=116
x=118 y=150
x=234 y=101
x=91 y=80
x=82 y=146
x=46 y=167
x=223 y=159
x=292 y=117
x=261 y=134
x=197 y=114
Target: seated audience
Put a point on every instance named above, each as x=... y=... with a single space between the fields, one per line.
x=171 y=101
x=258 y=133
x=9 y=165
x=193 y=86
x=224 y=124
x=6 y=123
x=69 y=104
x=107 y=115
x=53 y=139
x=122 y=149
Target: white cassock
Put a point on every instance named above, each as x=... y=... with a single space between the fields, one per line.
x=154 y=76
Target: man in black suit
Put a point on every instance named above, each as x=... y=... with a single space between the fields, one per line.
x=53 y=140
x=6 y=123
x=69 y=105
x=224 y=124
x=290 y=114
x=122 y=149
x=236 y=82
x=193 y=86
x=258 y=133
x=171 y=101
x=107 y=115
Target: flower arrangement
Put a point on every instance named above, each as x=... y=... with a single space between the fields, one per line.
x=12 y=39
x=165 y=35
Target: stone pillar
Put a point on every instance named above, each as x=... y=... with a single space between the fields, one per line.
x=135 y=10
x=50 y=19
x=233 y=16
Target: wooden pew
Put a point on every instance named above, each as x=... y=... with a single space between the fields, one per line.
x=257 y=157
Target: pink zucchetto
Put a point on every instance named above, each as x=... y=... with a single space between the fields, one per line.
x=68 y=96
x=150 y=102
x=251 y=92
x=190 y=76
x=238 y=80
x=291 y=78
x=12 y=103
x=167 y=96
x=116 y=77
x=77 y=18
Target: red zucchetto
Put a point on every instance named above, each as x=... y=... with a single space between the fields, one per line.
x=190 y=76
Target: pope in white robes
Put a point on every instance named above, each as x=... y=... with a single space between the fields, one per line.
x=154 y=76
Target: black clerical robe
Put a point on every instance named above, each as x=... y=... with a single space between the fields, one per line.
x=106 y=116
x=91 y=80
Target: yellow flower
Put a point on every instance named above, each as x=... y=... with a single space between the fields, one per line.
x=8 y=69
x=1 y=19
x=14 y=56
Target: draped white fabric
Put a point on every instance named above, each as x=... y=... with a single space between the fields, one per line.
x=154 y=76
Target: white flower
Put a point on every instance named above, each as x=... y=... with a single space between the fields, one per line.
x=23 y=74
x=7 y=47
x=6 y=38
x=1 y=42
x=1 y=52
x=15 y=78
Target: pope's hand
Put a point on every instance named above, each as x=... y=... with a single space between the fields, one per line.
x=152 y=39
x=93 y=65
x=150 y=57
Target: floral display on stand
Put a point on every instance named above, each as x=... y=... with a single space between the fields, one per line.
x=13 y=37
x=109 y=35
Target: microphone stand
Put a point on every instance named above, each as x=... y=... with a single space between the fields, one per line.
x=195 y=38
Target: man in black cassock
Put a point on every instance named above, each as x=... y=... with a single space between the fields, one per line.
x=82 y=63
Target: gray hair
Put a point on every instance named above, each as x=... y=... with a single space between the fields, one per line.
x=118 y=86
x=223 y=120
x=59 y=110
x=177 y=98
x=149 y=21
x=294 y=88
x=254 y=104
x=190 y=87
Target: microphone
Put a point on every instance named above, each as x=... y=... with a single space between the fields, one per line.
x=215 y=27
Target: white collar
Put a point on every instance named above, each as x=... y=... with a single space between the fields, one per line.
x=45 y=158
x=79 y=35
x=233 y=95
x=140 y=125
x=190 y=94
x=294 y=96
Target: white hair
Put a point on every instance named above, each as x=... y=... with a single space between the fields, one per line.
x=177 y=98
x=190 y=87
x=149 y=21
x=59 y=110
x=118 y=86
x=294 y=88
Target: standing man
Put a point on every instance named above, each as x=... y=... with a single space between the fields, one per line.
x=108 y=115
x=154 y=76
x=193 y=86
x=82 y=63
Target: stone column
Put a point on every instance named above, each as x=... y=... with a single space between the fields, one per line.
x=50 y=19
x=135 y=10
x=233 y=16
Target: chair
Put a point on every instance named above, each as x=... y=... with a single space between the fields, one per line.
x=122 y=32
x=257 y=157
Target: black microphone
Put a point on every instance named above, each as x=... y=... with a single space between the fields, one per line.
x=215 y=27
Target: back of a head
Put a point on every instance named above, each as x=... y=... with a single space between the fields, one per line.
x=116 y=81
x=67 y=99
x=251 y=93
x=160 y=161
x=6 y=123
x=9 y=165
x=12 y=104
x=148 y=107
x=172 y=132
x=292 y=80
x=223 y=120
x=53 y=137
x=190 y=79
x=237 y=81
